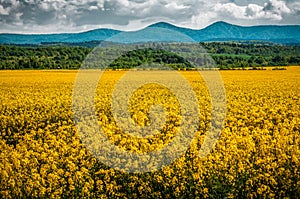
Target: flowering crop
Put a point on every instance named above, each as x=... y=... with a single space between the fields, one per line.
x=257 y=155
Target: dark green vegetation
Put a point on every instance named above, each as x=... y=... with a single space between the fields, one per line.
x=235 y=55
x=148 y=57
x=44 y=57
x=226 y=55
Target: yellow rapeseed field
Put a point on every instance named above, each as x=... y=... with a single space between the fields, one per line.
x=257 y=155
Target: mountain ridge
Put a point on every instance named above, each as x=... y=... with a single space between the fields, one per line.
x=218 y=31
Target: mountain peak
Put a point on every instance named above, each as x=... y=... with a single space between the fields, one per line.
x=218 y=31
x=174 y=27
x=221 y=23
x=162 y=25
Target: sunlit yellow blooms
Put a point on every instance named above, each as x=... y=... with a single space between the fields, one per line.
x=257 y=155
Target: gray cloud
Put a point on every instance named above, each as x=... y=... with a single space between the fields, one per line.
x=36 y=16
x=271 y=10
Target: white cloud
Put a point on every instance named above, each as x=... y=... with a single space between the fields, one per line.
x=254 y=10
x=18 y=16
x=3 y=11
x=273 y=10
x=77 y=15
x=175 y=6
x=150 y=8
x=10 y=5
x=19 y=21
x=44 y=6
x=295 y=6
x=231 y=9
x=93 y=8
x=30 y=1
x=125 y=3
x=277 y=7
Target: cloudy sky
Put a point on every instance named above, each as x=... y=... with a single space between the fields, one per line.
x=54 y=16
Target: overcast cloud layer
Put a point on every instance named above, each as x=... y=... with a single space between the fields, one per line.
x=49 y=16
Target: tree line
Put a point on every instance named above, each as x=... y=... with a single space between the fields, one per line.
x=225 y=55
x=42 y=57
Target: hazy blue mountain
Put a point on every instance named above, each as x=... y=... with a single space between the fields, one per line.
x=93 y=35
x=219 y=31
x=222 y=31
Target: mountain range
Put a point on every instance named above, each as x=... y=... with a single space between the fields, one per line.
x=162 y=31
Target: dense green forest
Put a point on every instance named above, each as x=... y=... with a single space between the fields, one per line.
x=226 y=55
x=136 y=58
x=44 y=57
x=240 y=55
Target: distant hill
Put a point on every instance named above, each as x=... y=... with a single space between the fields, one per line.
x=93 y=35
x=219 y=31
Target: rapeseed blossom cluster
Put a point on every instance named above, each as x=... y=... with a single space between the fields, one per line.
x=257 y=155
